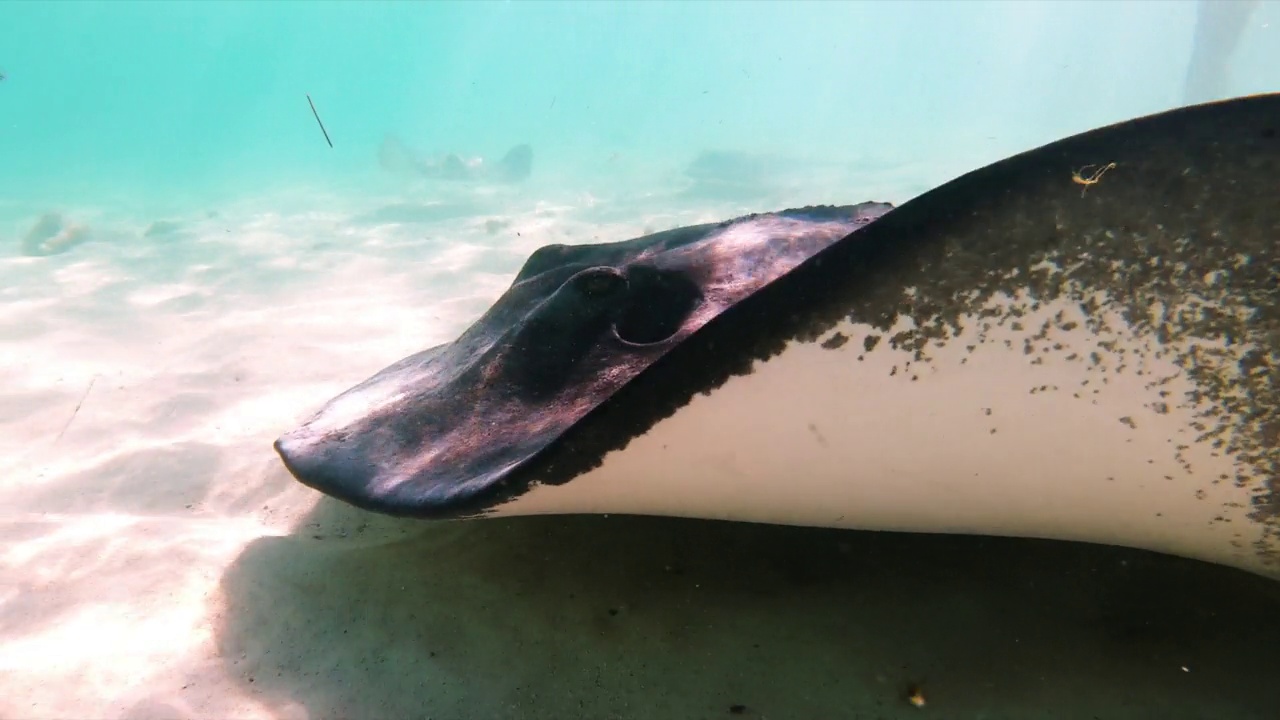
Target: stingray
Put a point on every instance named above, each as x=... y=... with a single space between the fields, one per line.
x=1079 y=342
x=515 y=166
x=51 y=235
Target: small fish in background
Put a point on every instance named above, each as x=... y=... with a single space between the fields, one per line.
x=515 y=166
x=3 y=76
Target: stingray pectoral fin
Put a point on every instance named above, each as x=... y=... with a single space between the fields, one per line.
x=440 y=433
x=516 y=165
x=394 y=155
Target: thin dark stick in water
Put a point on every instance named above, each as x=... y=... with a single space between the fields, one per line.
x=77 y=410
x=313 y=112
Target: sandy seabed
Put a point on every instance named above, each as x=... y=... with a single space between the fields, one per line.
x=156 y=560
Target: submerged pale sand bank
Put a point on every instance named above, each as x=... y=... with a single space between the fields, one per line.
x=156 y=561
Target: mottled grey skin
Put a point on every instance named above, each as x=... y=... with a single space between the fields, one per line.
x=1180 y=237
x=437 y=434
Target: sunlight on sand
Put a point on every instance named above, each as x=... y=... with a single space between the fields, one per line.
x=148 y=372
x=110 y=601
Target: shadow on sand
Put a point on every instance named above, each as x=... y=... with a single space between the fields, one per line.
x=615 y=617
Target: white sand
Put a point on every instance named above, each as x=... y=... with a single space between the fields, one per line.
x=146 y=375
x=157 y=561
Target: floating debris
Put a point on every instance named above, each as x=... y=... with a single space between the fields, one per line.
x=318 y=122
x=915 y=696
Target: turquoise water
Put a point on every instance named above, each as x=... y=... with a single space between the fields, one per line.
x=230 y=271
x=194 y=100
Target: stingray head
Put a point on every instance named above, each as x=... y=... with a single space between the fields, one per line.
x=440 y=433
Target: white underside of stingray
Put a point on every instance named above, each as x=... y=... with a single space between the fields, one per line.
x=1082 y=436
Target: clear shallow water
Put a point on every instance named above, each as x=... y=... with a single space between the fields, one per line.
x=155 y=105
x=237 y=271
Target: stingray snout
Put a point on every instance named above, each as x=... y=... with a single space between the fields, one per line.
x=321 y=461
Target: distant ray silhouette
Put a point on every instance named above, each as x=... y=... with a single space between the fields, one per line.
x=1219 y=25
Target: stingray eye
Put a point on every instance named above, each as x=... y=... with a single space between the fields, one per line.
x=657 y=305
x=562 y=330
x=599 y=283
